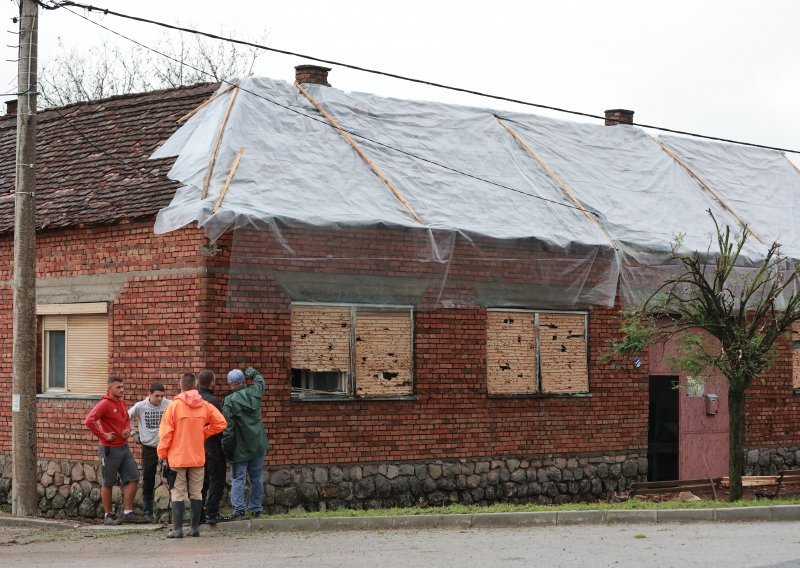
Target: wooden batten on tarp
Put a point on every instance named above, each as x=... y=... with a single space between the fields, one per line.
x=791 y=163
x=361 y=153
x=228 y=180
x=717 y=197
x=557 y=179
x=213 y=158
x=197 y=109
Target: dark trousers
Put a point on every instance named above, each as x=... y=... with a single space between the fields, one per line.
x=214 y=481
x=149 y=464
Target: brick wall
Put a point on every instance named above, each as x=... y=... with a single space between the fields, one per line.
x=771 y=405
x=200 y=316
x=154 y=331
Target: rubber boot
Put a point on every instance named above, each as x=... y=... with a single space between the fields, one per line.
x=197 y=510
x=178 y=508
x=148 y=510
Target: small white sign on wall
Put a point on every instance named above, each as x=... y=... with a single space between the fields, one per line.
x=14 y=403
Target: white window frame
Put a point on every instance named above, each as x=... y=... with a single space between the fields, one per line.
x=46 y=359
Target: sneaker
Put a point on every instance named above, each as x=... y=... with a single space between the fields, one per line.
x=237 y=516
x=253 y=514
x=111 y=520
x=133 y=518
x=217 y=519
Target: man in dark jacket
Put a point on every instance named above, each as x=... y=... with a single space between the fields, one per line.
x=245 y=441
x=214 y=480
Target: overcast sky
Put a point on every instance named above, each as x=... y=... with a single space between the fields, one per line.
x=724 y=68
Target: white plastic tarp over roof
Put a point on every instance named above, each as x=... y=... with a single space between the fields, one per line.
x=568 y=186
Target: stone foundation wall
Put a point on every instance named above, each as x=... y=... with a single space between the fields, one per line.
x=553 y=480
x=71 y=489
x=769 y=461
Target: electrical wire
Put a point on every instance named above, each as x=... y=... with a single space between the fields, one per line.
x=66 y=3
x=319 y=120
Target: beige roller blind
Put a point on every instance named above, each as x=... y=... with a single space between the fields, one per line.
x=321 y=338
x=510 y=352
x=87 y=354
x=383 y=353
x=53 y=323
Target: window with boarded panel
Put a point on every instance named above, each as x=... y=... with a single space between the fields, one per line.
x=321 y=338
x=383 y=360
x=511 y=352
x=75 y=353
x=796 y=355
x=562 y=338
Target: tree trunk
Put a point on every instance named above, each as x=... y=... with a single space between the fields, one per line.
x=736 y=440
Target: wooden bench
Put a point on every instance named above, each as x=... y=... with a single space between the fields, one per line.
x=786 y=477
x=674 y=486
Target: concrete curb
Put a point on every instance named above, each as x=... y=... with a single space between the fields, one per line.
x=31 y=522
x=774 y=513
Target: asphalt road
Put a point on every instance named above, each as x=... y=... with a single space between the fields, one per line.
x=710 y=545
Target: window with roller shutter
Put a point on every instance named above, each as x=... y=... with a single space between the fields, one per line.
x=74 y=348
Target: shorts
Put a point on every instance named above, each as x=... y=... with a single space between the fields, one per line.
x=117 y=462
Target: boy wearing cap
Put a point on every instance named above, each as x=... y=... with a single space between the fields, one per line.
x=245 y=441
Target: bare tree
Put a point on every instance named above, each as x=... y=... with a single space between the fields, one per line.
x=195 y=60
x=745 y=316
x=107 y=69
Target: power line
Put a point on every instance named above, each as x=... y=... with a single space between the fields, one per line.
x=300 y=113
x=106 y=11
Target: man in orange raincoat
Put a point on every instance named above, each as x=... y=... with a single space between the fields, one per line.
x=185 y=425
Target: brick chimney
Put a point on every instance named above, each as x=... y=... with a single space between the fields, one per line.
x=616 y=116
x=11 y=107
x=313 y=74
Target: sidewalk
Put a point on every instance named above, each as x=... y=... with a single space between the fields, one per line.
x=477 y=520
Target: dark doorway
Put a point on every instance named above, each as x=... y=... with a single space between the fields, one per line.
x=662 y=435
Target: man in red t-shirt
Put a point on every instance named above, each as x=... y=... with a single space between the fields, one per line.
x=109 y=422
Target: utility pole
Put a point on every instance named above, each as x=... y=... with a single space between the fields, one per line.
x=23 y=393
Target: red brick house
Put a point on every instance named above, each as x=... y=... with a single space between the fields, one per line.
x=407 y=359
